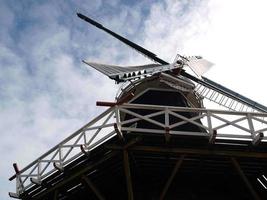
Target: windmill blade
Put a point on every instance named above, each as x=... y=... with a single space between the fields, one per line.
x=204 y=82
x=124 y=73
x=112 y=70
x=138 y=48
x=239 y=97
x=211 y=90
x=199 y=65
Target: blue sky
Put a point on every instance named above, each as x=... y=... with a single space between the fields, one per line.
x=46 y=92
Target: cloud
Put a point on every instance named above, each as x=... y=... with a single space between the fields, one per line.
x=171 y=23
x=6 y=23
x=236 y=42
x=47 y=92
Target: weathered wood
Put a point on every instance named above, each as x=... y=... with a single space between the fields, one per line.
x=75 y=175
x=93 y=188
x=194 y=151
x=170 y=179
x=55 y=195
x=244 y=178
x=128 y=174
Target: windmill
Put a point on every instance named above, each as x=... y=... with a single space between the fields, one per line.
x=157 y=140
x=204 y=86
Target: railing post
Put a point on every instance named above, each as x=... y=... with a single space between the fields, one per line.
x=209 y=122
x=117 y=115
x=37 y=180
x=250 y=125
x=167 y=124
x=256 y=138
x=19 y=183
x=167 y=118
x=117 y=125
x=212 y=133
x=39 y=170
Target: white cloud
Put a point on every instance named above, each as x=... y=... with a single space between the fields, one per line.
x=172 y=23
x=47 y=92
x=236 y=41
x=231 y=34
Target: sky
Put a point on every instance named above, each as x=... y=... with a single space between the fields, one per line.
x=46 y=92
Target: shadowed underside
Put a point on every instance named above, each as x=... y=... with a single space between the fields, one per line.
x=158 y=147
x=153 y=166
x=146 y=167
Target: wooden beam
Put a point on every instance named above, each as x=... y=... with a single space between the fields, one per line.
x=75 y=175
x=93 y=187
x=131 y=142
x=122 y=100
x=257 y=139
x=170 y=179
x=128 y=174
x=244 y=178
x=56 y=195
x=118 y=131
x=194 y=151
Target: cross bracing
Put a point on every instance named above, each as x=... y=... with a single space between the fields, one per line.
x=250 y=128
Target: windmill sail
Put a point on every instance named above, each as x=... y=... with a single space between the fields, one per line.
x=205 y=82
x=199 y=65
x=124 y=73
x=138 y=48
x=210 y=90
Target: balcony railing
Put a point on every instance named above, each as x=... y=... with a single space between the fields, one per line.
x=212 y=124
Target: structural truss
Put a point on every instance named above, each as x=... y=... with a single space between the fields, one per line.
x=215 y=125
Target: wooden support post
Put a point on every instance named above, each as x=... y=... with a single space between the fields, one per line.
x=93 y=187
x=128 y=174
x=131 y=143
x=118 y=131
x=167 y=134
x=55 y=195
x=213 y=137
x=170 y=179
x=167 y=126
x=257 y=139
x=244 y=178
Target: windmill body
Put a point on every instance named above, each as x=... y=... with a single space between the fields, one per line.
x=157 y=140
